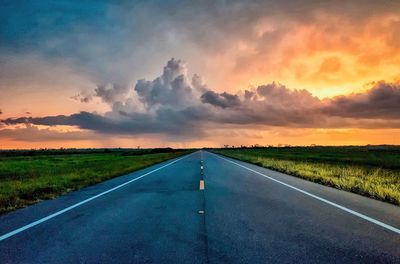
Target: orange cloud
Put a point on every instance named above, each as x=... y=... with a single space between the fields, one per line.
x=328 y=55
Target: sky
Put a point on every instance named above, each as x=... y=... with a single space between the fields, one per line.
x=198 y=73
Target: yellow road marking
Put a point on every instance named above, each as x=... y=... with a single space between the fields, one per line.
x=201 y=184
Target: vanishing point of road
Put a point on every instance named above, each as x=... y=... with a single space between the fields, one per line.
x=203 y=208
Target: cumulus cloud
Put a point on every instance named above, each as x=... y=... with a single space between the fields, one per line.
x=169 y=104
x=171 y=88
x=176 y=105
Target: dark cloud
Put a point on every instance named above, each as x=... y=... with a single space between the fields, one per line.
x=274 y=105
x=382 y=101
x=166 y=121
x=46 y=121
x=223 y=100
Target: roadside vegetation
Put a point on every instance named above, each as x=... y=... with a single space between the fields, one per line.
x=27 y=177
x=372 y=171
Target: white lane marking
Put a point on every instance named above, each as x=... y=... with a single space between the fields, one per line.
x=201 y=167
x=44 y=219
x=365 y=217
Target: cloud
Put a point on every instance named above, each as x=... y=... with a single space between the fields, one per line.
x=223 y=100
x=381 y=101
x=172 y=88
x=198 y=83
x=281 y=96
x=165 y=121
x=112 y=92
x=176 y=105
x=83 y=98
x=31 y=133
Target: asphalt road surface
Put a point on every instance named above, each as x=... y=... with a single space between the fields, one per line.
x=244 y=214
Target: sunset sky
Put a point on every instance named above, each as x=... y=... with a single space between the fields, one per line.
x=198 y=73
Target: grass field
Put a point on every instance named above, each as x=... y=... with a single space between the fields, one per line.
x=369 y=171
x=27 y=177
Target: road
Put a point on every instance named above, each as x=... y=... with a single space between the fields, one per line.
x=245 y=214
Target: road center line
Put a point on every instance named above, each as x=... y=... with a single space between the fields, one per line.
x=44 y=219
x=201 y=187
x=365 y=217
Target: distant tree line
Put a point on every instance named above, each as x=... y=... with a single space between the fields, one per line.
x=68 y=151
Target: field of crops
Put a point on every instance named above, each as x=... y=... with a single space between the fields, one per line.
x=27 y=177
x=369 y=171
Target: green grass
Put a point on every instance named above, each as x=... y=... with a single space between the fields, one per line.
x=27 y=179
x=372 y=172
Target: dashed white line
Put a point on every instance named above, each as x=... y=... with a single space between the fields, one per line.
x=365 y=217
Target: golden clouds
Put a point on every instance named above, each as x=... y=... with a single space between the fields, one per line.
x=328 y=54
